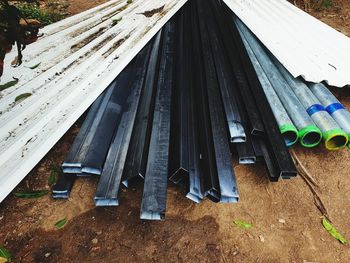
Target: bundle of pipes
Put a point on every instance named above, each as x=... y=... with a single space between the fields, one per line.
x=179 y=110
x=309 y=112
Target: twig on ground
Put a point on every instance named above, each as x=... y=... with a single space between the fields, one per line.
x=311 y=183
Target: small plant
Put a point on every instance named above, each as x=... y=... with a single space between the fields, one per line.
x=327 y=3
x=32 y=11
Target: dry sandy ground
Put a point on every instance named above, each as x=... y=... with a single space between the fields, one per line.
x=287 y=224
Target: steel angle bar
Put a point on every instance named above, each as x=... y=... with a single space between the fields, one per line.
x=275 y=144
x=287 y=128
x=333 y=106
x=63 y=186
x=334 y=137
x=179 y=144
x=309 y=133
x=211 y=187
x=109 y=183
x=80 y=147
x=153 y=204
x=136 y=161
x=243 y=81
x=217 y=143
x=226 y=81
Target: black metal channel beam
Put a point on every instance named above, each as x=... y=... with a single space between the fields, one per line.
x=220 y=144
x=77 y=153
x=110 y=180
x=211 y=187
x=138 y=150
x=195 y=181
x=153 y=204
x=99 y=147
x=63 y=186
x=226 y=81
x=256 y=126
x=277 y=149
x=179 y=158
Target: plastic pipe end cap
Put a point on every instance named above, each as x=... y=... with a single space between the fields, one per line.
x=310 y=136
x=289 y=133
x=335 y=139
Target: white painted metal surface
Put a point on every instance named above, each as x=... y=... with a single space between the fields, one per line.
x=304 y=45
x=79 y=57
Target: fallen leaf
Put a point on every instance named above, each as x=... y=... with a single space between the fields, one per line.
x=243 y=224
x=23 y=96
x=61 y=223
x=9 y=84
x=5 y=255
x=333 y=232
x=35 y=66
x=31 y=195
x=55 y=171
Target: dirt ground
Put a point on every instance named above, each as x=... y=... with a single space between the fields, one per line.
x=286 y=223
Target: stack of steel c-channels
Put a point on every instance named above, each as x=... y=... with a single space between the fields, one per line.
x=179 y=110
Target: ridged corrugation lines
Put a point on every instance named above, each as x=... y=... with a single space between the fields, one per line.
x=303 y=44
x=79 y=57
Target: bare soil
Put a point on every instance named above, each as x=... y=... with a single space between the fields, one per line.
x=286 y=223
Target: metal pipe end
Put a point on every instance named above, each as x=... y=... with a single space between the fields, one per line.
x=290 y=134
x=335 y=139
x=310 y=136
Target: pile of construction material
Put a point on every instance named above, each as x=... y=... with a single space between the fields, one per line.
x=172 y=100
x=203 y=90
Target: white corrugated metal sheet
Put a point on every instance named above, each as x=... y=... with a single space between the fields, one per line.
x=304 y=45
x=79 y=57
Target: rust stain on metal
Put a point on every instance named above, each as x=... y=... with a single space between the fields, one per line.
x=152 y=12
x=88 y=39
x=114 y=47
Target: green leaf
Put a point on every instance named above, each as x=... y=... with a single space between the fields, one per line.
x=333 y=232
x=242 y=224
x=9 y=84
x=116 y=21
x=5 y=254
x=61 y=223
x=35 y=66
x=55 y=171
x=23 y=96
x=31 y=195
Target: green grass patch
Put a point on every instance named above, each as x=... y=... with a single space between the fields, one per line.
x=327 y=3
x=32 y=11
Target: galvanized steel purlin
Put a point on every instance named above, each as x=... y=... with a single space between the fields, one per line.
x=63 y=87
x=304 y=45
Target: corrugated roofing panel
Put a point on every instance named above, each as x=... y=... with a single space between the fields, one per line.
x=304 y=45
x=79 y=57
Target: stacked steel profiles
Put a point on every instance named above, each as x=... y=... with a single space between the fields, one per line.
x=310 y=113
x=177 y=108
x=75 y=60
x=187 y=102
